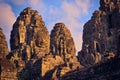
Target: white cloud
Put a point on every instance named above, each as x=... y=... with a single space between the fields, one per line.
x=77 y=36
x=35 y=2
x=54 y=10
x=38 y=5
x=7 y=18
x=70 y=9
x=70 y=13
x=0 y=0
x=83 y=5
x=19 y=2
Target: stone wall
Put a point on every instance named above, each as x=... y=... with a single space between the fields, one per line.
x=107 y=70
x=101 y=35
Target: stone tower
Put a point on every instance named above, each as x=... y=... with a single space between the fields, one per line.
x=101 y=34
x=29 y=35
x=3 y=45
x=61 y=41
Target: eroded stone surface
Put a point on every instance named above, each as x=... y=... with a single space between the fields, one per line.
x=6 y=67
x=30 y=57
x=101 y=36
x=3 y=45
x=29 y=35
x=53 y=65
x=104 y=71
x=29 y=40
x=61 y=41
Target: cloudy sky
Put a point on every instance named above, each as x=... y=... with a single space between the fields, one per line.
x=74 y=13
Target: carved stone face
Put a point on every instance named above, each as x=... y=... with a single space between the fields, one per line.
x=42 y=42
x=29 y=29
x=39 y=42
x=61 y=41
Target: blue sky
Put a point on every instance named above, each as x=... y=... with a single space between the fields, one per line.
x=74 y=13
